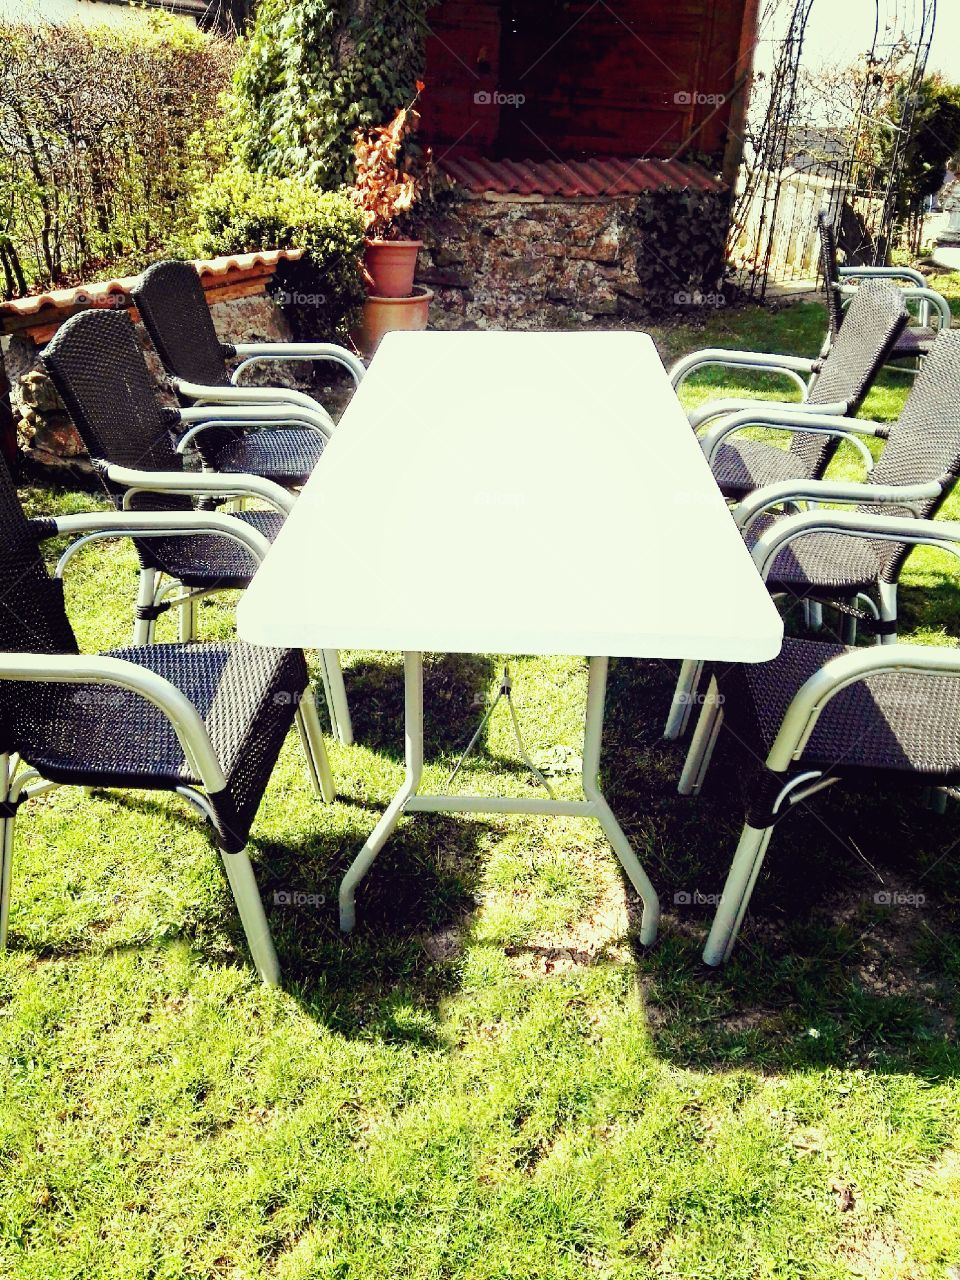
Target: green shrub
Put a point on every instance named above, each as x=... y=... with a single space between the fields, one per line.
x=680 y=254
x=315 y=71
x=242 y=211
x=97 y=166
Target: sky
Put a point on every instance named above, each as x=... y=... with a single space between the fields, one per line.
x=840 y=29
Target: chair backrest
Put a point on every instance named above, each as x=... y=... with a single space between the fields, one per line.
x=95 y=362
x=924 y=442
x=875 y=320
x=173 y=308
x=32 y=614
x=830 y=267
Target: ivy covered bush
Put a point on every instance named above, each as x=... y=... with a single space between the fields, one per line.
x=315 y=71
x=682 y=241
x=98 y=162
x=242 y=211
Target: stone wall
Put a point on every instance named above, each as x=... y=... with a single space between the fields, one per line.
x=525 y=262
x=45 y=433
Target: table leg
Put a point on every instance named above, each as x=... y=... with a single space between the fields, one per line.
x=592 y=740
x=594 y=806
x=413 y=751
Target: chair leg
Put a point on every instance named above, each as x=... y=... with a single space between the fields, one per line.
x=888 y=609
x=243 y=885
x=311 y=735
x=146 y=595
x=6 y=872
x=704 y=740
x=336 y=696
x=850 y=624
x=683 y=698
x=188 y=621
x=816 y=615
x=741 y=878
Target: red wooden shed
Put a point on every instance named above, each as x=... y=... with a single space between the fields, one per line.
x=565 y=79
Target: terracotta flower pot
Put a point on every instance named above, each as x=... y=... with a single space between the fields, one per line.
x=390 y=315
x=391 y=265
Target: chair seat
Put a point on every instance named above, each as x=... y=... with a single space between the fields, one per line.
x=212 y=561
x=916 y=340
x=821 y=564
x=742 y=466
x=99 y=735
x=285 y=455
x=897 y=721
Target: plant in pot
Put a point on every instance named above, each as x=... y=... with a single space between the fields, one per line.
x=384 y=192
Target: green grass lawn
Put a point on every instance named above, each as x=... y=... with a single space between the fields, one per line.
x=490 y=1080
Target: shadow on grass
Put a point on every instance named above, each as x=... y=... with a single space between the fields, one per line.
x=851 y=953
x=455 y=689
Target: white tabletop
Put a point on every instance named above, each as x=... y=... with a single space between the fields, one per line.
x=514 y=493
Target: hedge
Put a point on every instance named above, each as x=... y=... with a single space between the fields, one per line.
x=98 y=145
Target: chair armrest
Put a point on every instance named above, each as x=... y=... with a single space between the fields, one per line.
x=787 y=420
x=720 y=408
x=121 y=674
x=255 y=407
x=935 y=300
x=883 y=273
x=91 y=526
x=810 y=699
x=774 y=495
x=943 y=534
x=254 y=352
x=757 y=361
x=220 y=484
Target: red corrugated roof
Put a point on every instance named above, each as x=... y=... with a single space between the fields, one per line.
x=101 y=293
x=604 y=176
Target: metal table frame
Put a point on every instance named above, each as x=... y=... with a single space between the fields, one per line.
x=409 y=799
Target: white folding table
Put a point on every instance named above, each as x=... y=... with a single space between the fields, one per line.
x=513 y=493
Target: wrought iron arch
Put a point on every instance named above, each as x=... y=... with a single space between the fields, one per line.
x=764 y=219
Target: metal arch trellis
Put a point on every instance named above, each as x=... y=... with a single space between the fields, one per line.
x=900 y=43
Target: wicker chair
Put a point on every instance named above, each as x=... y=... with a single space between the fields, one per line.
x=822 y=714
x=916 y=340
x=206 y=721
x=916 y=471
x=171 y=303
x=842 y=379
x=98 y=368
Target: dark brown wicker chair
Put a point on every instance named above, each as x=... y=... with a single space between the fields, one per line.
x=916 y=340
x=876 y=318
x=171 y=303
x=98 y=368
x=917 y=469
x=820 y=714
x=206 y=721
